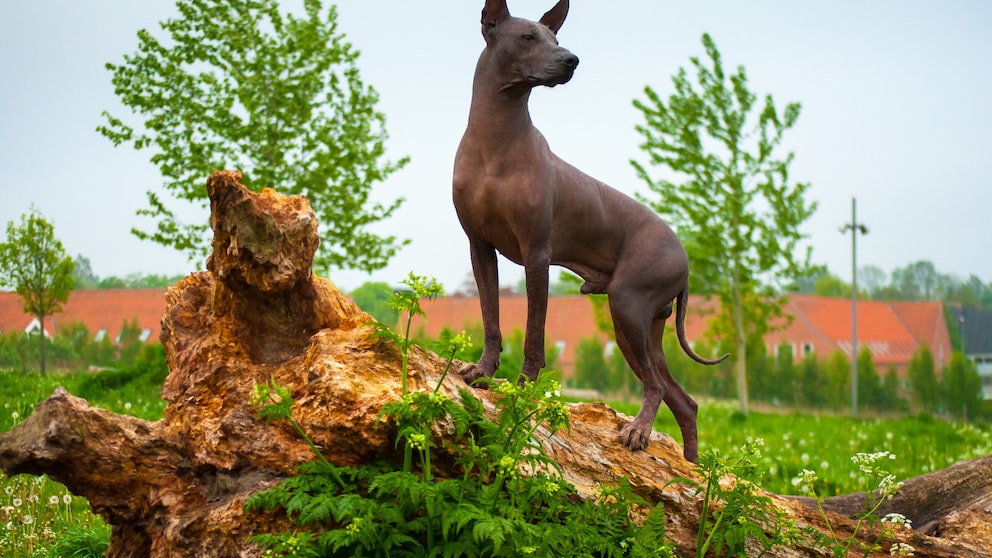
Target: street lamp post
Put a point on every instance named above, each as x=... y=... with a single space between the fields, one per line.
x=855 y=228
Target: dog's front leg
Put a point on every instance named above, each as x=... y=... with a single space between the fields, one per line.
x=487 y=281
x=536 y=270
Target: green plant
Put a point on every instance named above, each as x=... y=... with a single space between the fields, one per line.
x=34 y=263
x=508 y=500
x=38 y=517
x=82 y=540
x=880 y=486
x=738 y=512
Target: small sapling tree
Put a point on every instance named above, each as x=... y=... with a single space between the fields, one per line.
x=35 y=265
x=728 y=195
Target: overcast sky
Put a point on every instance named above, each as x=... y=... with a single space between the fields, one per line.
x=895 y=112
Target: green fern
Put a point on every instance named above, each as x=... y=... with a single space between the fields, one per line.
x=490 y=509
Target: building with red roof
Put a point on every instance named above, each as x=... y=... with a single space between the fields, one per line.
x=103 y=311
x=819 y=325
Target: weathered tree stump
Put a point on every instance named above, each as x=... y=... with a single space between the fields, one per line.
x=176 y=487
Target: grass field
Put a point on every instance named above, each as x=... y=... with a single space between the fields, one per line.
x=38 y=517
x=826 y=443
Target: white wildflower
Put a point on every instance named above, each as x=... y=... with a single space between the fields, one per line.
x=897 y=519
x=902 y=549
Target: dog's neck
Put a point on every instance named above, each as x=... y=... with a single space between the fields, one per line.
x=499 y=108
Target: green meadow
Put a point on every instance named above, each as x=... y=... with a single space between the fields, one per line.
x=39 y=517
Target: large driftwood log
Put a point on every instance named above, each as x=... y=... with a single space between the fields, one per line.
x=176 y=487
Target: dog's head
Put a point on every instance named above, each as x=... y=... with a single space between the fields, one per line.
x=527 y=52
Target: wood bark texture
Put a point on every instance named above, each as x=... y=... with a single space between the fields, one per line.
x=176 y=487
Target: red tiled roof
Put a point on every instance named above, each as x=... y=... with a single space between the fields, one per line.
x=892 y=330
x=102 y=309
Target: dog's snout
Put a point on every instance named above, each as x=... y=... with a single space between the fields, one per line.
x=570 y=60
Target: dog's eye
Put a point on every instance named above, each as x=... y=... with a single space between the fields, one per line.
x=528 y=37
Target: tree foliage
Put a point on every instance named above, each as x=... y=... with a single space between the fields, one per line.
x=241 y=85
x=962 y=388
x=373 y=297
x=923 y=378
x=727 y=193
x=35 y=265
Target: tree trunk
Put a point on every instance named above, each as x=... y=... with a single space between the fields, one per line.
x=740 y=339
x=176 y=487
x=41 y=340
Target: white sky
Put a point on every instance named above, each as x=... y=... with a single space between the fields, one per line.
x=895 y=95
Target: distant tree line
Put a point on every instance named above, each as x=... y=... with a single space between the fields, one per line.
x=917 y=281
x=84 y=278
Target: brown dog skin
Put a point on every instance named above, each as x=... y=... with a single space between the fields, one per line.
x=512 y=194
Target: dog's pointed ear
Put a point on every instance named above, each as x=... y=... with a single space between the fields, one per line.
x=494 y=13
x=556 y=16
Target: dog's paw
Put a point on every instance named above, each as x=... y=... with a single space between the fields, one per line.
x=473 y=372
x=635 y=436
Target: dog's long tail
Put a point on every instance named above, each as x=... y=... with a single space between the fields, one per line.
x=683 y=301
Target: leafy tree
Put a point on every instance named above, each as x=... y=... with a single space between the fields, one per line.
x=812 y=382
x=112 y=282
x=919 y=281
x=870 y=392
x=872 y=279
x=241 y=85
x=373 y=297
x=836 y=382
x=832 y=286
x=82 y=274
x=786 y=385
x=730 y=199
x=151 y=281
x=962 y=387
x=890 y=392
x=591 y=369
x=923 y=378
x=972 y=292
x=129 y=341
x=761 y=368
x=34 y=263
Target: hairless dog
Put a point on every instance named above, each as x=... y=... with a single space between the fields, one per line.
x=512 y=194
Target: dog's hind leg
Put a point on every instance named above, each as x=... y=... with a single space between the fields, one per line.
x=682 y=405
x=633 y=328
